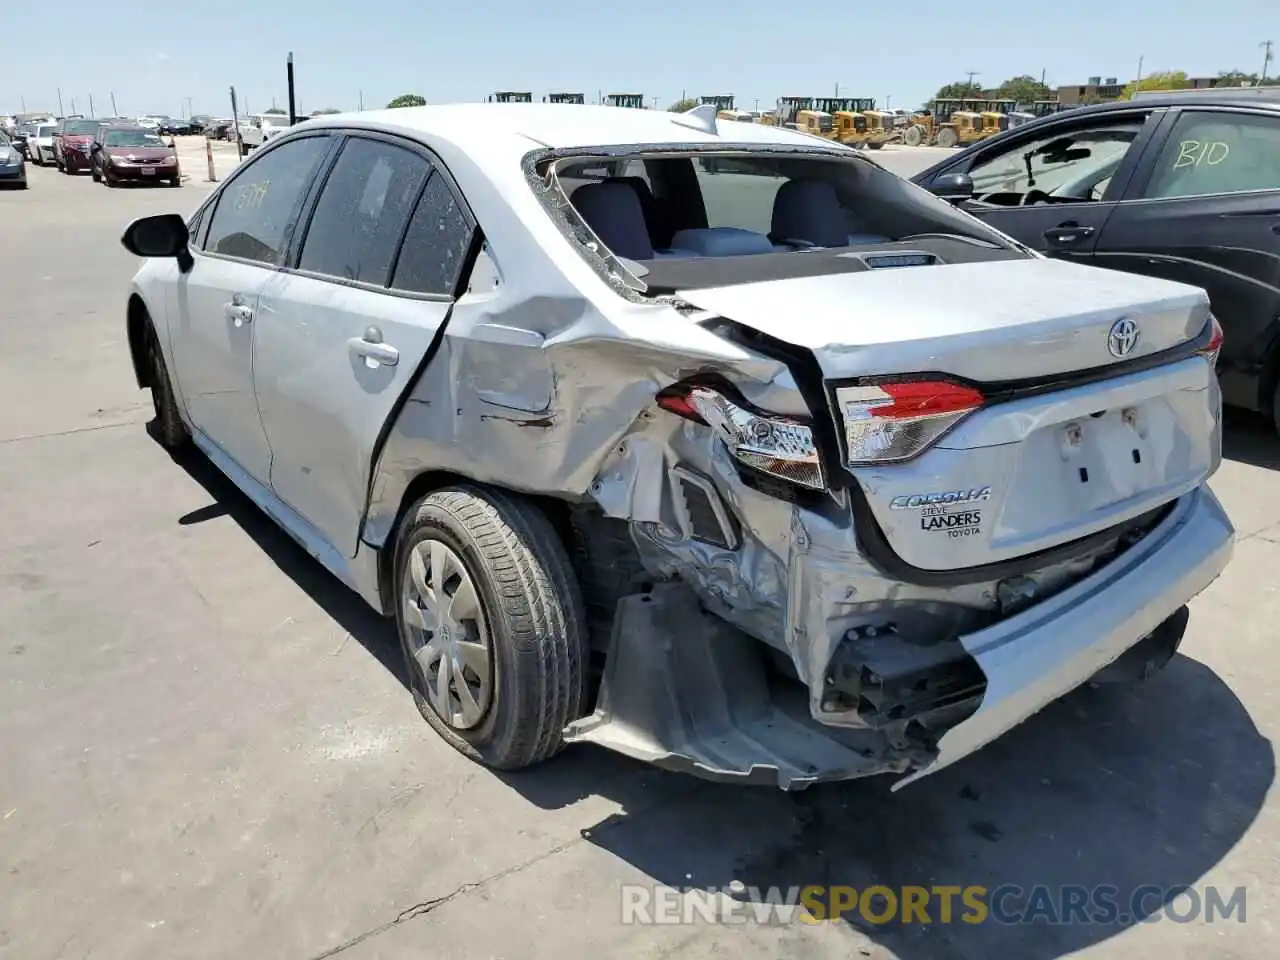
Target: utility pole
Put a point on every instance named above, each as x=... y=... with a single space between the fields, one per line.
x=73 y=104
x=115 y=111
x=24 y=103
x=361 y=107
x=61 y=112
x=1266 y=45
x=1138 y=82
x=188 y=99
x=756 y=105
x=971 y=74
x=92 y=112
x=293 y=106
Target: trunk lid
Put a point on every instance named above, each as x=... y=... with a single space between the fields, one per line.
x=1029 y=470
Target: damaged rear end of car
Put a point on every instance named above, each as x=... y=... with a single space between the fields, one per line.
x=854 y=482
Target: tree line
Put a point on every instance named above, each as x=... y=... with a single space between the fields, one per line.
x=1026 y=89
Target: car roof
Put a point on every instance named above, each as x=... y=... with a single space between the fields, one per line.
x=517 y=128
x=1226 y=97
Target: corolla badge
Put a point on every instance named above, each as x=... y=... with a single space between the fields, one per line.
x=1123 y=338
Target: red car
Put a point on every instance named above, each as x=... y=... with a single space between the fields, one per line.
x=133 y=154
x=73 y=145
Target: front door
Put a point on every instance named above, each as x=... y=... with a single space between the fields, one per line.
x=217 y=301
x=341 y=338
x=1207 y=212
x=1055 y=188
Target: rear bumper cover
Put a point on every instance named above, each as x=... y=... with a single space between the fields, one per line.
x=1050 y=649
x=682 y=689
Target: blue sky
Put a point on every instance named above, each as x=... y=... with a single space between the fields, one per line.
x=154 y=61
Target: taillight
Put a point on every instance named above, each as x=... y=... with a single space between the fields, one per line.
x=1214 y=346
x=891 y=422
x=780 y=446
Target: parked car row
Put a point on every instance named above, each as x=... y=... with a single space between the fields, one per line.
x=112 y=151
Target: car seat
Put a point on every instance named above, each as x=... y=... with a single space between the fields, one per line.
x=612 y=209
x=808 y=210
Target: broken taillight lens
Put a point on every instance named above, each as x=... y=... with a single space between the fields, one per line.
x=780 y=446
x=894 y=421
x=1214 y=346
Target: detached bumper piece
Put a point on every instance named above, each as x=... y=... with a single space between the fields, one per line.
x=686 y=691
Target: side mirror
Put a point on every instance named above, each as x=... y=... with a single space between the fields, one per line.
x=952 y=187
x=163 y=235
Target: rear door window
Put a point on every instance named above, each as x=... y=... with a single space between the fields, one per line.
x=436 y=244
x=362 y=211
x=1210 y=152
x=256 y=210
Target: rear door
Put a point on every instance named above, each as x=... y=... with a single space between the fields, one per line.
x=343 y=331
x=1054 y=186
x=1206 y=211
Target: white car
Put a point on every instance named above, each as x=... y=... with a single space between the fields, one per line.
x=40 y=145
x=714 y=444
x=260 y=128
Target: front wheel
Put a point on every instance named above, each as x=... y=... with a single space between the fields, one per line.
x=168 y=427
x=491 y=625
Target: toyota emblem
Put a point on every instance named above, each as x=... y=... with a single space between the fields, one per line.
x=1123 y=337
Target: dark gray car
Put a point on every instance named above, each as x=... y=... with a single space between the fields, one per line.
x=1183 y=186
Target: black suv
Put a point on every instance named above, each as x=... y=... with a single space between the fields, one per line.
x=1184 y=186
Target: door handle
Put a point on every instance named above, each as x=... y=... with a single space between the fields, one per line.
x=372 y=350
x=1067 y=234
x=238 y=313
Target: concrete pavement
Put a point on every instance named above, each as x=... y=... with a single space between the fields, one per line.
x=206 y=748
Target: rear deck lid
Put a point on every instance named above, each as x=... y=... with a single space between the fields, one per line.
x=1036 y=455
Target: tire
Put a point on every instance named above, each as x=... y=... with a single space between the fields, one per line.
x=108 y=179
x=1149 y=656
x=875 y=144
x=95 y=173
x=175 y=182
x=947 y=137
x=529 y=616
x=169 y=430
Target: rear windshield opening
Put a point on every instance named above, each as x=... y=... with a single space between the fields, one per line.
x=707 y=219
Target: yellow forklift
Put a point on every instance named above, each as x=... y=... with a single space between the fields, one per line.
x=633 y=101
x=564 y=98
x=954 y=122
x=995 y=116
x=509 y=96
x=848 y=123
x=882 y=127
x=726 y=108
x=798 y=113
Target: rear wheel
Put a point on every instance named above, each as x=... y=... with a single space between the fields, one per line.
x=947 y=137
x=491 y=625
